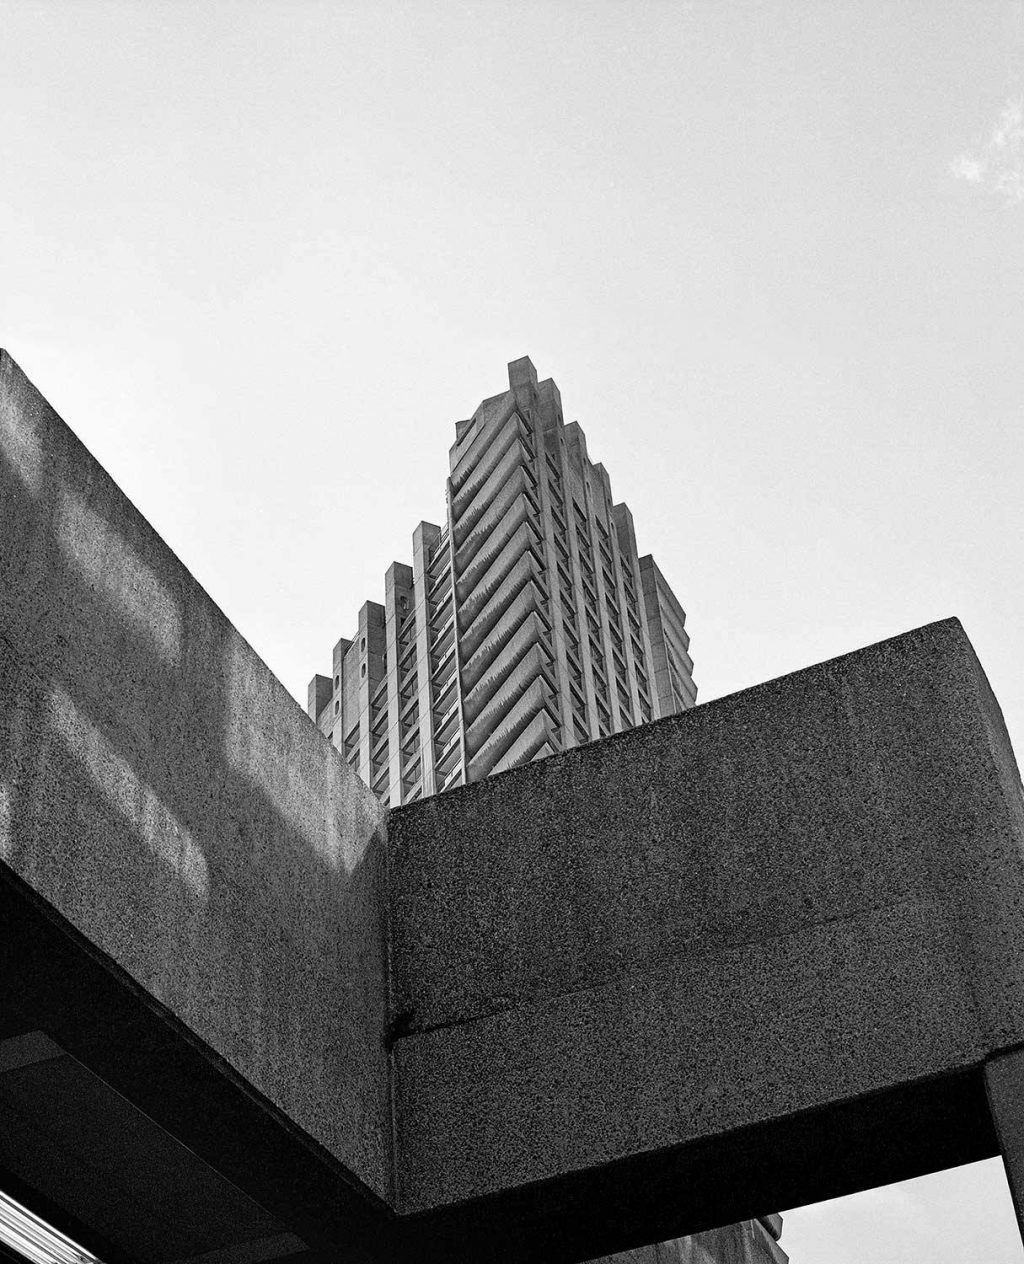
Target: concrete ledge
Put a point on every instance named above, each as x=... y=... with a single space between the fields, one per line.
x=163 y=794
x=799 y=895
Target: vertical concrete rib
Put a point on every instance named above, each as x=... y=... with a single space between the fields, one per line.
x=670 y=643
x=424 y=546
x=498 y=564
x=387 y=746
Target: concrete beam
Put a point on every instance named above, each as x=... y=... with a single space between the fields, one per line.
x=189 y=873
x=1004 y=1081
x=774 y=939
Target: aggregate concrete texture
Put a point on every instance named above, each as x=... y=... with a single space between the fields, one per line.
x=161 y=790
x=798 y=895
x=1004 y=1083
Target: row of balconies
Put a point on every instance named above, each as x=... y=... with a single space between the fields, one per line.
x=615 y=620
x=475 y=460
x=481 y=542
x=534 y=664
x=438 y=547
x=441 y=631
x=467 y=511
x=523 y=713
x=475 y=592
x=475 y=635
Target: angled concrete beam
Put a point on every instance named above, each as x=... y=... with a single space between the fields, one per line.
x=765 y=952
x=191 y=907
x=751 y=956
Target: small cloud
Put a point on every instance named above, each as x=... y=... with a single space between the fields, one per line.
x=1008 y=132
x=998 y=162
x=965 y=168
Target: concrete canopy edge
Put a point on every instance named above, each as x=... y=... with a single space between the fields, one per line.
x=803 y=893
x=163 y=793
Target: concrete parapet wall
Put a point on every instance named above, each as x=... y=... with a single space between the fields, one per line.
x=163 y=792
x=800 y=894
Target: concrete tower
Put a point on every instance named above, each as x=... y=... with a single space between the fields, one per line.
x=527 y=624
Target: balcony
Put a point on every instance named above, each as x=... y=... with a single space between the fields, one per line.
x=446 y=659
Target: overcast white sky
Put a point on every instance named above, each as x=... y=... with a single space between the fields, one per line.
x=261 y=256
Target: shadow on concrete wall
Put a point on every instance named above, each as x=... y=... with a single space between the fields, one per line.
x=163 y=792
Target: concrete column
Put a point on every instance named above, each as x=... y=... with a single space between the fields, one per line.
x=548 y=445
x=424 y=541
x=397 y=585
x=620 y=566
x=1004 y=1084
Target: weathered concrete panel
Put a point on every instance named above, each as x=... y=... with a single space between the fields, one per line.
x=162 y=791
x=798 y=895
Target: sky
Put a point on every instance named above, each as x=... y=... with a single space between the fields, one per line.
x=261 y=256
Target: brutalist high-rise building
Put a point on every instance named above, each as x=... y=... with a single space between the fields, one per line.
x=525 y=625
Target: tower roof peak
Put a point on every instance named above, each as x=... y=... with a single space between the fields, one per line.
x=521 y=372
